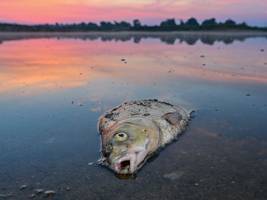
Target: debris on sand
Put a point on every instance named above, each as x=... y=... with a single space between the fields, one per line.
x=196 y=184
x=39 y=191
x=32 y=196
x=248 y=95
x=124 y=60
x=23 y=187
x=174 y=175
x=171 y=71
x=202 y=56
x=262 y=50
x=49 y=193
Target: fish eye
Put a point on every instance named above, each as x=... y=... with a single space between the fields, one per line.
x=121 y=136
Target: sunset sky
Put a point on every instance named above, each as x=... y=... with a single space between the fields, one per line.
x=148 y=11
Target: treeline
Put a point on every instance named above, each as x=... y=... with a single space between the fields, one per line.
x=191 y=24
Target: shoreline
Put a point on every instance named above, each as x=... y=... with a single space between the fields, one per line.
x=84 y=33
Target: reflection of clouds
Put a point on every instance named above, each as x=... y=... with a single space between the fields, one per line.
x=48 y=78
x=57 y=64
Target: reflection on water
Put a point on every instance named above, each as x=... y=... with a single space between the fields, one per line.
x=189 y=38
x=54 y=87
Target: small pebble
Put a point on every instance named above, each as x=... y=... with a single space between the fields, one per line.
x=39 y=191
x=174 y=175
x=68 y=188
x=23 y=187
x=49 y=193
x=32 y=196
x=202 y=56
x=248 y=95
x=262 y=50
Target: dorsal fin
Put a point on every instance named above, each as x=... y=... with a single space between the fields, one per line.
x=173 y=118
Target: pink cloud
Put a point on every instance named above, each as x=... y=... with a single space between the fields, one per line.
x=148 y=11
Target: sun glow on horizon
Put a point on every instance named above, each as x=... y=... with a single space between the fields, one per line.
x=148 y=11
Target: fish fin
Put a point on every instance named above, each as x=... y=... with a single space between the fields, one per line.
x=173 y=118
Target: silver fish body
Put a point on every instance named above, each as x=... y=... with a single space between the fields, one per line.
x=132 y=132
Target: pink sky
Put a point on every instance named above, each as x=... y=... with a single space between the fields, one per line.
x=148 y=11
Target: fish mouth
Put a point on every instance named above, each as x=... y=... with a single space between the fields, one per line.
x=130 y=163
x=125 y=165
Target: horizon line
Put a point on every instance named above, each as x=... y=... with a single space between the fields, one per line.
x=179 y=20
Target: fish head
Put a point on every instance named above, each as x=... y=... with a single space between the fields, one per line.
x=126 y=145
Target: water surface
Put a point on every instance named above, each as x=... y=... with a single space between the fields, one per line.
x=53 y=88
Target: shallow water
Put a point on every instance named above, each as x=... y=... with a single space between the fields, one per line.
x=53 y=89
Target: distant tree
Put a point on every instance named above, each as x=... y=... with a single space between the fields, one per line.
x=106 y=26
x=168 y=24
x=209 y=23
x=244 y=25
x=230 y=22
x=82 y=26
x=92 y=26
x=181 y=25
x=192 y=22
x=122 y=26
x=137 y=24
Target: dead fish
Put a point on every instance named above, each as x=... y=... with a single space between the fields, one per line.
x=132 y=132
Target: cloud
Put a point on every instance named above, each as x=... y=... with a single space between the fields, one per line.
x=147 y=10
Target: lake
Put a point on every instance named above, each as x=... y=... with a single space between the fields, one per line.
x=54 y=87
